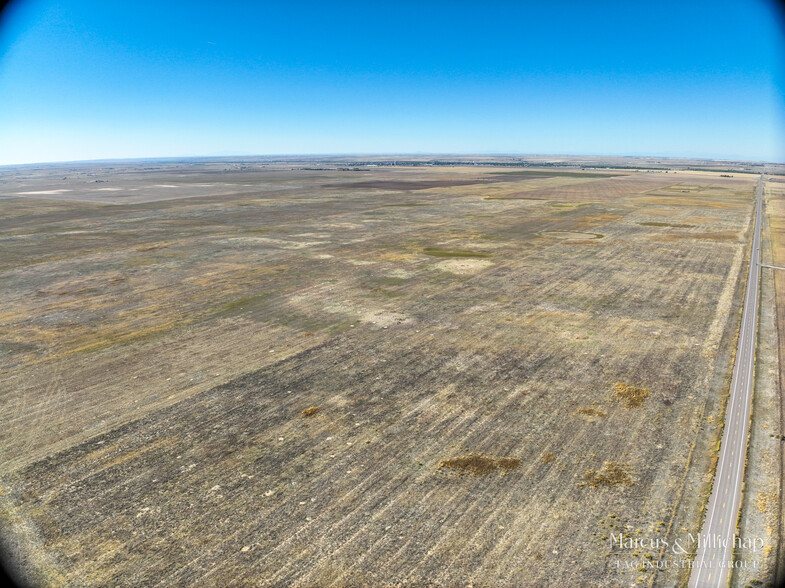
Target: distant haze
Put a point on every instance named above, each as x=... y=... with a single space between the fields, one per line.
x=91 y=80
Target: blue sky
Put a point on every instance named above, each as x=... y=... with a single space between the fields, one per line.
x=87 y=80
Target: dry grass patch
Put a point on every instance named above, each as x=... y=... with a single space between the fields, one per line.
x=572 y=235
x=310 y=411
x=463 y=266
x=443 y=252
x=591 y=411
x=509 y=463
x=611 y=474
x=547 y=457
x=153 y=247
x=398 y=185
x=633 y=396
x=707 y=235
x=662 y=224
x=396 y=257
x=765 y=501
x=480 y=465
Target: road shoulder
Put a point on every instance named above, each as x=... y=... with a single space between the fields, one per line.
x=759 y=510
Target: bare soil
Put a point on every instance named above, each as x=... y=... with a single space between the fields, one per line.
x=161 y=346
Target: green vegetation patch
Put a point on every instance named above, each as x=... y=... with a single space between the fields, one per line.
x=379 y=286
x=310 y=323
x=244 y=304
x=389 y=281
x=442 y=252
x=16 y=347
x=385 y=293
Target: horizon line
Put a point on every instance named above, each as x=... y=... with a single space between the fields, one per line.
x=391 y=154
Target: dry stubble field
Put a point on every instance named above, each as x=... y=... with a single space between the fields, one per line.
x=165 y=326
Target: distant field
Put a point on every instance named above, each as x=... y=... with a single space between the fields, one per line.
x=442 y=375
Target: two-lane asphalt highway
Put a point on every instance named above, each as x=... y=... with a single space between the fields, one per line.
x=714 y=554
